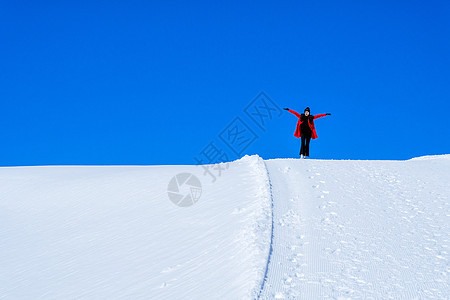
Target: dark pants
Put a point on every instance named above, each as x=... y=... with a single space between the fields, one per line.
x=305 y=145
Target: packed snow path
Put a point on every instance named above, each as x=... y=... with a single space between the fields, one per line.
x=359 y=229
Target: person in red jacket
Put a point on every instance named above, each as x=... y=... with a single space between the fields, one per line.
x=305 y=129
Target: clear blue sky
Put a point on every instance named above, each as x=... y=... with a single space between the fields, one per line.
x=154 y=82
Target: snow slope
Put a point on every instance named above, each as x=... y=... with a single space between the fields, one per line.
x=282 y=228
x=111 y=232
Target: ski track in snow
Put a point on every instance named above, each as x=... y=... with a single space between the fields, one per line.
x=359 y=229
x=269 y=256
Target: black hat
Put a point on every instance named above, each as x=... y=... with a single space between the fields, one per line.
x=307 y=109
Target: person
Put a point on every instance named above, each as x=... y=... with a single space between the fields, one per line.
x=305 y=129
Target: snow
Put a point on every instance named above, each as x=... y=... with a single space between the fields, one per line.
x=273 y=229
x=360 y=229
x=112 y=232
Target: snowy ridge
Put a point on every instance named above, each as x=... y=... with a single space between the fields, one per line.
x=281 y=228
x=429 y=157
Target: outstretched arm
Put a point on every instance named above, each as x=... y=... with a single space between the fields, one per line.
x=293 y=112
x=321 y=115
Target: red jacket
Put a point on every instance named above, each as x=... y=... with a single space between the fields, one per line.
x=298 y=132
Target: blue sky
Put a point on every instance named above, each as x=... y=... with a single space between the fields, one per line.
x=155 y=82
